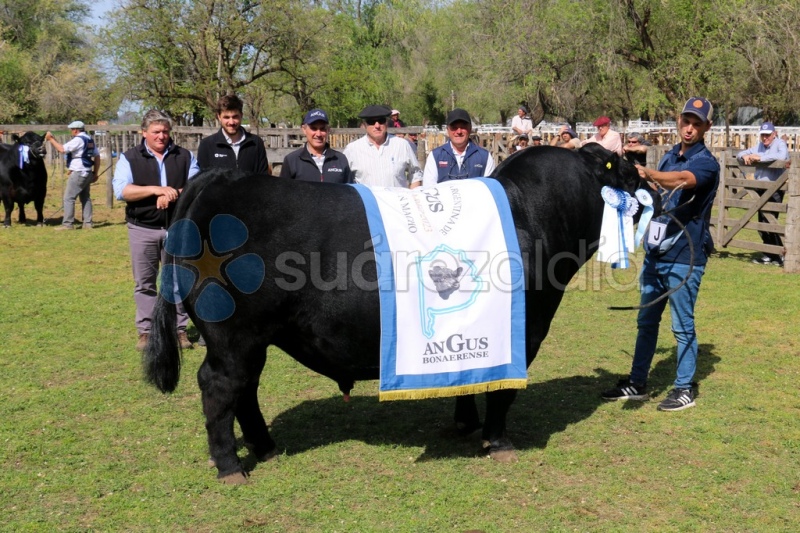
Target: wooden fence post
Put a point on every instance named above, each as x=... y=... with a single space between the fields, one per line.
x=791 y=260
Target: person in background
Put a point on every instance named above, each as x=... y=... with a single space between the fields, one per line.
x=83 y=163
x=770 y=148
x=536 y=140
x=566 y=138
x=316 y=160
x=232 y=146
x=522 y=143
x=150 y=178
x=379 y=158
x=522 y=123
x=636 y=149
x=395 y=119
x=605 y=136
x=671 y=266
x=460 y=158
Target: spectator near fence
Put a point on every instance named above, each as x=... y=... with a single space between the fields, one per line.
x=769 y=149
x=636 y=149
x=605 y=136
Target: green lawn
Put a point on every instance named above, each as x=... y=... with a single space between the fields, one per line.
x=86 y=445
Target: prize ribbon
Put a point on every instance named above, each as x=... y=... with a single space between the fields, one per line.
x=647 y=201
x=625 y=206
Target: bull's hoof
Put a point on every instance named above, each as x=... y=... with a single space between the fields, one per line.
x=212 y=463
x=267 y=456
x=504 y=456
x=237 y=478
x=501 y=454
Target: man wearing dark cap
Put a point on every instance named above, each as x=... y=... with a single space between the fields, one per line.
x=536 y=140
x=460 y=158
x=316 y=160
x=566 y=138
x=671 y=266
x=522 y=123
x=380 y=159
x=605 y=136
x=769 y=149
x=232 y=146
x=83 y=163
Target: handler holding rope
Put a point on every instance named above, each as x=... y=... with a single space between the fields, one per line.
x=690 y=174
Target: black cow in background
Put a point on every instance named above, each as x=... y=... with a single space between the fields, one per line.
x=557 y=208
x=23 y=176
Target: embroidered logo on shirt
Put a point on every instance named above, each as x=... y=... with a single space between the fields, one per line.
x=220 y=155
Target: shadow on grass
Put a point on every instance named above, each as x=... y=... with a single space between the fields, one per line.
x=540 y=411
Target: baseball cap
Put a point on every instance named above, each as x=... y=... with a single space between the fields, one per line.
x=76 y=125
x=700 y=107
x=315 y=115
x=373 y=111
x=458 y=114
x=601 y=121
x=766 y=128
x=571 y=133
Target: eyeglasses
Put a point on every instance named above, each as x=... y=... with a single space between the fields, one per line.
x=373 y=120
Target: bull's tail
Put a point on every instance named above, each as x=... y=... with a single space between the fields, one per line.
x=162 y=356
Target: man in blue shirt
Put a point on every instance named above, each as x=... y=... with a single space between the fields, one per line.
x=150 y=177
x=691 y=174
x=769 y=149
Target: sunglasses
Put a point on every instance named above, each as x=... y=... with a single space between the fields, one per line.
x=633 y=141
x=374 y=120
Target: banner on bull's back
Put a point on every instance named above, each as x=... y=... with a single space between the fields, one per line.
x=452 y=292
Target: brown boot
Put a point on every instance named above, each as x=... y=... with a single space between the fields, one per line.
x=184 y=341
x=142 y=342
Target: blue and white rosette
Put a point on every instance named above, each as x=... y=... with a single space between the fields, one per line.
x=647 y=201
x=616 y=235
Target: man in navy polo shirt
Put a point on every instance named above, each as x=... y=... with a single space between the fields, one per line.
x=460 y=158
x=316 y=160
x=691 y=173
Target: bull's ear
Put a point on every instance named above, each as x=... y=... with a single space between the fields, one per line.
x=15 y=137
x=458 y=271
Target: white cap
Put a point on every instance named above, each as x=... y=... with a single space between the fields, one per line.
x=76 y=125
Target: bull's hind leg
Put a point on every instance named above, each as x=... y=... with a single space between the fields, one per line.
x=254 y=428
x=495 y=441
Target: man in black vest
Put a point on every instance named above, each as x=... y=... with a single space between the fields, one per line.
x=232 y=146
x=150 y=177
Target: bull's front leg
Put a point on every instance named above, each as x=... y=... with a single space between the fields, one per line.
x=38 y=204
x=22 y=218
x=495 y=441
x=466 y=415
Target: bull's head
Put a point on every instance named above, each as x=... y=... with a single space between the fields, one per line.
x=446 y=280
x=34 y=142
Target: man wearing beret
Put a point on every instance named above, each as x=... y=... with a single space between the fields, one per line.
x=605 y=136
x=460 y=158
x=316 y=160
x=380 y=159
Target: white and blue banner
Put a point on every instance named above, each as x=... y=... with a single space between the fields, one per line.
x=452 y=290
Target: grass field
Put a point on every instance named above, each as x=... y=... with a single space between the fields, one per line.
x=86 y=445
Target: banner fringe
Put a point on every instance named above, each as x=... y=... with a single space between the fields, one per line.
x=447 y=392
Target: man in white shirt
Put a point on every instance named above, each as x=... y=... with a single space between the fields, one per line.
x=83 y=163
x=380 y=159
x=460 y=158
x=522 y=123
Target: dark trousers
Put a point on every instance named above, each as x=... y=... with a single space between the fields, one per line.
x=768 y=237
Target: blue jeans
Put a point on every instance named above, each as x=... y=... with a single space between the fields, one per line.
x=656 y=279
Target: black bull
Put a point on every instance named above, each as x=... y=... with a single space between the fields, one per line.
x=557 y=207
x=22 y=183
